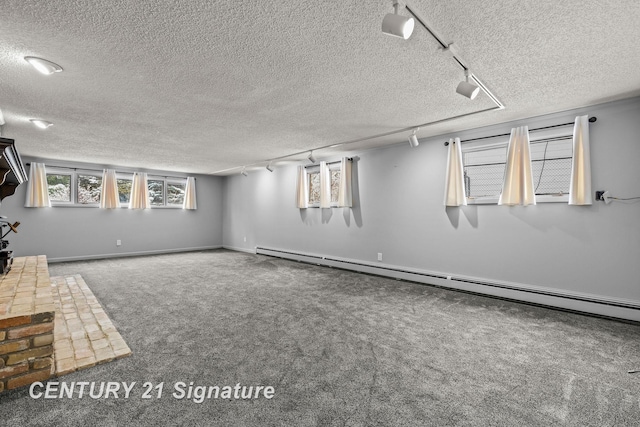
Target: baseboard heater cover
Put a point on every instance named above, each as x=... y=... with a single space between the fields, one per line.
x=586 y=303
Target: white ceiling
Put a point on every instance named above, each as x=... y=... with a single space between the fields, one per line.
x=206 y=86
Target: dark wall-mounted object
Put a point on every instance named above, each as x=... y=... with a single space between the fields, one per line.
x=12 y=172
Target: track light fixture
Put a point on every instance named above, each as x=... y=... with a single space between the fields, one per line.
x=467 y=89
x=42 y=124
x=270 y=167
x=413 y=139
x=311 y=157
x=42 y=65
x=397 y=25
x=244 y=171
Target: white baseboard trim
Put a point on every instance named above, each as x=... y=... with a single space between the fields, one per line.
x=234 y=248
x=130 y=254
x=558 y=298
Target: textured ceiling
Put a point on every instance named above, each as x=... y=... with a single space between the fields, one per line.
x=205 y=86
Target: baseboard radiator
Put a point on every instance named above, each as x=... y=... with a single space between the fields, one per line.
x=570 y=301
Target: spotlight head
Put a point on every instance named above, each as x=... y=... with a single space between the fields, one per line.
x=413 y=139
x=311 y=158
x=468 y=89
x=398 y=25
x=42 y=65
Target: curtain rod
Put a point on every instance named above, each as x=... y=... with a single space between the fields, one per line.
x=120 y=172
x=349 y=159
x=591 y=120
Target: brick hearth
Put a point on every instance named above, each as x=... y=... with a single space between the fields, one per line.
x=84 y=335
x=50 y=326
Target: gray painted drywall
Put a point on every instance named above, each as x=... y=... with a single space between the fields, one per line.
x=64 y=233
x=399 y=212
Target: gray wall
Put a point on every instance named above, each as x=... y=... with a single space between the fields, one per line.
x=399 y=212
x=65 y=233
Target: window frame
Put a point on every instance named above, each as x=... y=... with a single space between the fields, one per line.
x=166 y=191
x=86 y=172
x=315 y=169
x=128 y=177
x=493 y=200
x=73 y=173
x=72 y=184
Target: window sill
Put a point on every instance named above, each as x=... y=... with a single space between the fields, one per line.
x=71 y=205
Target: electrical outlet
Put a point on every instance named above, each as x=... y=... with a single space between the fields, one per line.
x=599 y=195
x=379 y=256
x=118 y=242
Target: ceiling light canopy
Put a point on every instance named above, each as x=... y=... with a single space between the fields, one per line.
x=42 y=65
x=42 y=124
x=467 y=89
x=413 y=139
x=397 y=25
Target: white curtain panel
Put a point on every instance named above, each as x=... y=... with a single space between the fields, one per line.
x=139 y=192
x=517 y=188
x=37 y=188
x=344 y=194
x=190 y=194
x=454 y=194
x=109 y=197
x=325 y=186
x=580 y=187
x=302 y=188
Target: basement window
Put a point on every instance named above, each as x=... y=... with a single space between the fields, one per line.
x=484 y=168
x=124 y=190
x=82 y=188
x=156 y=192
x=89 y=189
x=175 y=193
x=60 y=187
x=314 y=184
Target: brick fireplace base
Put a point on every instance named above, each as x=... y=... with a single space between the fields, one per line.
x=50 y=326
x=27 y=316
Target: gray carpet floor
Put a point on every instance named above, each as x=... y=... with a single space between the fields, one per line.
x=340 y=349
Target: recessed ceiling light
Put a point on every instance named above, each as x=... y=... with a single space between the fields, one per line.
x=42 y=65
x=42 y=124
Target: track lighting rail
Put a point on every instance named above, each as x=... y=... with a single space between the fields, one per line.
x=446 y=47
